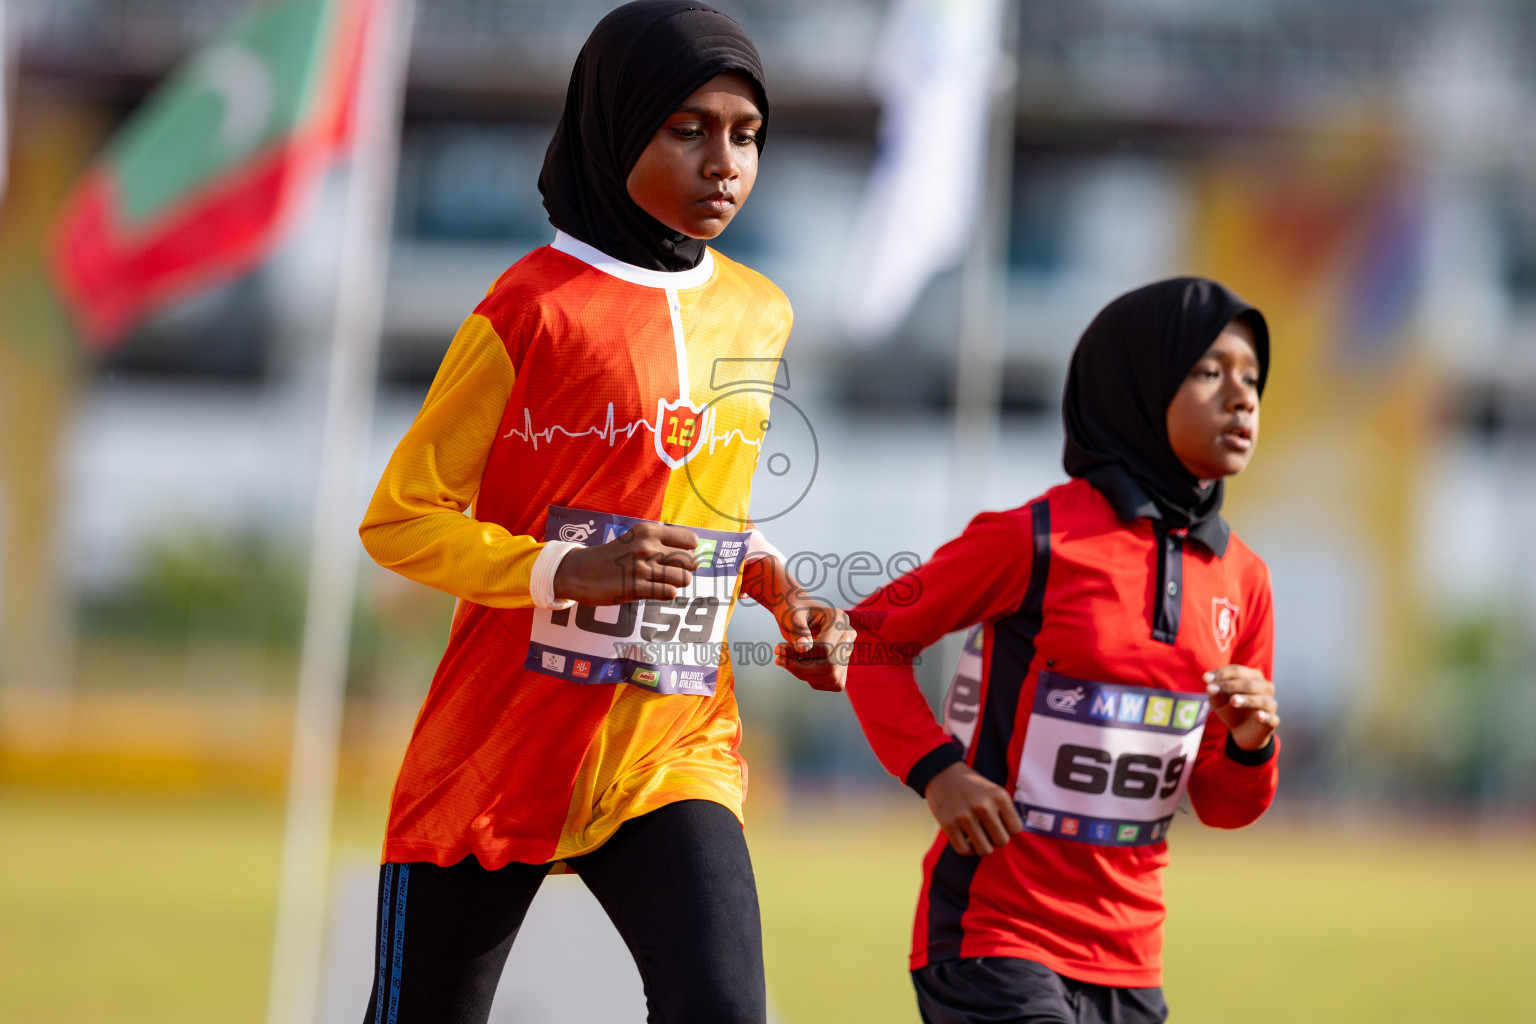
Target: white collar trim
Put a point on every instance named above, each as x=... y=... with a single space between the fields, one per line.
x=599 y=260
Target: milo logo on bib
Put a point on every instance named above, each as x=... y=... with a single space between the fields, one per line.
x=666 y=646
x=1105 y=763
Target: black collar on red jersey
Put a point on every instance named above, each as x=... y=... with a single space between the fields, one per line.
x=1131 y=502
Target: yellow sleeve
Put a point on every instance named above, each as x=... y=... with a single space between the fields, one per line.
x=415 y=523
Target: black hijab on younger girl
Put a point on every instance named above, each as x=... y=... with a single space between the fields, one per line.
x=636 y=68
x=1125 y=371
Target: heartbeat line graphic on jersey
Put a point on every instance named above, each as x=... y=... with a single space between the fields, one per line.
x=691 y=431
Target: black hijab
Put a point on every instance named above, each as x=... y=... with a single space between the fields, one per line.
x=636 y=68
x=1127 y=367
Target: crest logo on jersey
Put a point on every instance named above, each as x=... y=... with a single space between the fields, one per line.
x=681 y=429
x=1223 y=622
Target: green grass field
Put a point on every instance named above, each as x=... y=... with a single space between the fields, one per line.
x=132 y=907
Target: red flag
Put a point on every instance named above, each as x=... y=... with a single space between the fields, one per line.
x=201 y=183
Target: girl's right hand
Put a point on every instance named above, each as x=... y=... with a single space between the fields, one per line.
x=649 y=560
x=975 y=813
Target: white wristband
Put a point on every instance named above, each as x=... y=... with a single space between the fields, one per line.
x=759 y=546
x=541 y=582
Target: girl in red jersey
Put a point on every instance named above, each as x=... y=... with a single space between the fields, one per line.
x=584 y=712
x=1120 y=658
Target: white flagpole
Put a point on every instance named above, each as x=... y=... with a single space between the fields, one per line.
x=299 y=938
x=5 y=99
x=983 y=293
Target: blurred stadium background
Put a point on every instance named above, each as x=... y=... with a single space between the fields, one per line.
x=1363 y=170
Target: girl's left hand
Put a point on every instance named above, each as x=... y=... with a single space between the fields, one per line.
x=1245 y=701
x=818 y=642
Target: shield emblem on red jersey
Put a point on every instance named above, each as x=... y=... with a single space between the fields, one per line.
x=681 y=430
x=1223 y=622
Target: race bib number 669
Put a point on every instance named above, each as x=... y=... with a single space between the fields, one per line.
x=666 y=646
x=1105 y=763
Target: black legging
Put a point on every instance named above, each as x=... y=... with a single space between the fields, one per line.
x=677 y=884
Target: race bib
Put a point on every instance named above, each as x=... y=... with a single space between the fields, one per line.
x=665 y=646
x=1104 y=763
x=962 y=704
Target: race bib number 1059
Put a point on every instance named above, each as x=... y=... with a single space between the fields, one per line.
x=1104 y=763
x=664 y=646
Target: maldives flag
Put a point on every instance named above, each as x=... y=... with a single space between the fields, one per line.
x=201 y=181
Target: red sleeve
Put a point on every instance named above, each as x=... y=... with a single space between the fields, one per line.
x=980 y=575
x=1230 y=786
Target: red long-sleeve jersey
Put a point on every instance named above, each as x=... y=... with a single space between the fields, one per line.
x=1080 y=692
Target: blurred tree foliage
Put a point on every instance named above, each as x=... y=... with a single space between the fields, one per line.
x=237 y=587
x=1478 y=704
x=246 y=589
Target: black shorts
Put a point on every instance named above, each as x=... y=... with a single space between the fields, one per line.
x=1005 y=990
x=677 y=884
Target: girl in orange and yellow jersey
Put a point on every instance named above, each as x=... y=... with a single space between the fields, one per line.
x=584 y=710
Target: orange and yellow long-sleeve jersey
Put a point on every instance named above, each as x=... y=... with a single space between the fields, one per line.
x=581 y=383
